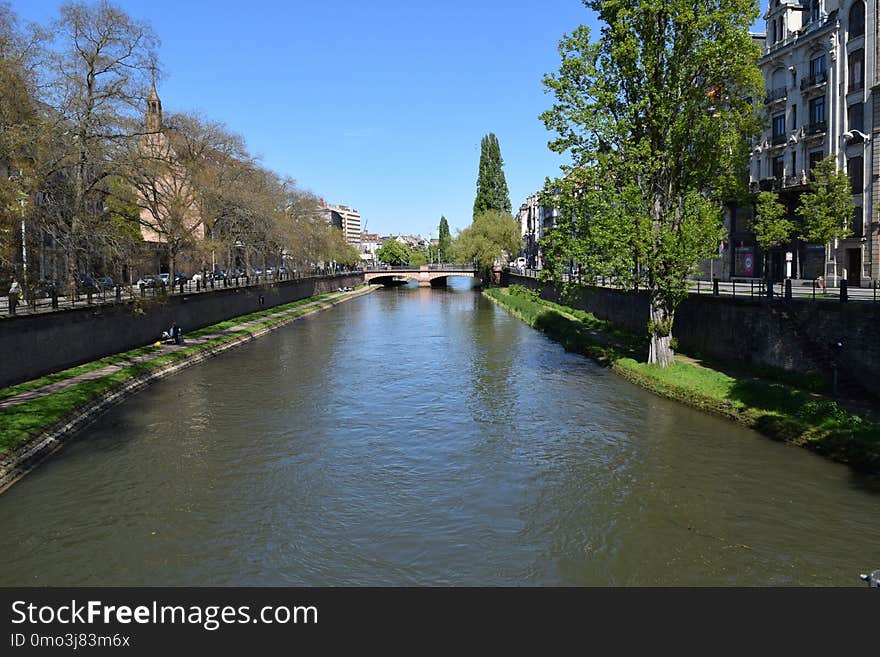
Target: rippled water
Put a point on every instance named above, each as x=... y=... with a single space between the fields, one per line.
x=418 y=436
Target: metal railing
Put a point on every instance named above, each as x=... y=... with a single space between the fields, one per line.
x=813 y=80
x=740 y=287
x=434 y=267
x=126 y=293
x=775 y=95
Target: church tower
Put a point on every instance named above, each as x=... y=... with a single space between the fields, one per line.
x=154 y=108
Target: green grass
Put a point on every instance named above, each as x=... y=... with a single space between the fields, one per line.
x=20 y=422
x=55 y=377
x=777 y=409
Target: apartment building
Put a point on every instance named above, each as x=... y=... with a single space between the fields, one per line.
x=535 y=220
x=819 y=61
x=349 y=220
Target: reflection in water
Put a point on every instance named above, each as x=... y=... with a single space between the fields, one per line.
x=419 y=436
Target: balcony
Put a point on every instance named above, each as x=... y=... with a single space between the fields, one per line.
x=778 y=140
x=814 y=80
x=776 y=95
x=768 y=184
x=817 y=128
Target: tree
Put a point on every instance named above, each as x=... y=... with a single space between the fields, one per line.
x=98 y=76
x=492 y=193
x=491 y=237
x=827 y=207
x=772 y=227
x=24 y=137
x=445 y=239
x=654 y=116
x=393 y=253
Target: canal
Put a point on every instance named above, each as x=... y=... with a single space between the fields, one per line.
x=418 y=436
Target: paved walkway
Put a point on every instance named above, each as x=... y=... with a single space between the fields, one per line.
x=163 y=349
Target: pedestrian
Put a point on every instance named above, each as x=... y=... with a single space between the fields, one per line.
x=14 y=294
x=175 y=334
x=822 y=284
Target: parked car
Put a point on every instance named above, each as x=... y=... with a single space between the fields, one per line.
x=150 y=281
x=219 y=274
x=105 y=283
x=180 y=277
x=166 y=278
x=86 y=284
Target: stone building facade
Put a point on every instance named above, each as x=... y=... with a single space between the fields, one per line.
x=819 y=61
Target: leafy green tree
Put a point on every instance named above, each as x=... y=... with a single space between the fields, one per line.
x=492 y=192
x=445 y=239
x=827 y=207
x=491 y=237
x=417 y=258
x=772 y=227
x=393 y=253
x=654 y=116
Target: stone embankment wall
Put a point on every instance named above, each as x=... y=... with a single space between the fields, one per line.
x=796 y=336
x=34 y=345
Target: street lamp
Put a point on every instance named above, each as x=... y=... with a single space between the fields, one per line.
x=849 y=134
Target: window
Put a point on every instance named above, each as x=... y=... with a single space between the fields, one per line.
x=817 y=67
x=855 y=119
x=817 y=114
x=858 y=221
x=814 y=11
x=794 y=170
x=794 y=124
x=857 y=70
x=778 y=167
x=855 y=167
x=779 y=126
x=857 y=20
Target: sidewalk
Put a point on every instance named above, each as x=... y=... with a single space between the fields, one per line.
x=157 y=353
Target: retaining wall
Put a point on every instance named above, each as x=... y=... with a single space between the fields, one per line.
x=34 y=345
x=796 y=336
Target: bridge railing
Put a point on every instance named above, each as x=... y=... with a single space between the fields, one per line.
x=436 y=267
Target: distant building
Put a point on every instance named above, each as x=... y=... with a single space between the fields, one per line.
x=348 y=220
x=534 y=221
x=369 y=244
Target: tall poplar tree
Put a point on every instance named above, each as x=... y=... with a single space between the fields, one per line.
x=654 y=116
x=445 y=239
x=492 y=192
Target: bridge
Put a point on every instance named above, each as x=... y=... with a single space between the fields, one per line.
x=426 y=275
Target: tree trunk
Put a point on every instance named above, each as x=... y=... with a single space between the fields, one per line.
x=660 y=328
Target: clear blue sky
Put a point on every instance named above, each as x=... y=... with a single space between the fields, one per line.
x=380 y=106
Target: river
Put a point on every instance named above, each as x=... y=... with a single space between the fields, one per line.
x=425 y=437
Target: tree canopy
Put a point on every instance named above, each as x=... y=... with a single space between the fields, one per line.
x=491 y=238
x=444 y=241
x=655 y=116
x=492 y=192
x=826 y=208
x=393 y=253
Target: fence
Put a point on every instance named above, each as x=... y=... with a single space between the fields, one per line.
x=740 y=288
x=122 y=293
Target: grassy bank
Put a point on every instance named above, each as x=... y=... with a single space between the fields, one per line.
x=783 y=412
x=21 y=422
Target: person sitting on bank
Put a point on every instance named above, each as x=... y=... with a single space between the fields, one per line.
x=176 y=334
x=14 y=294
